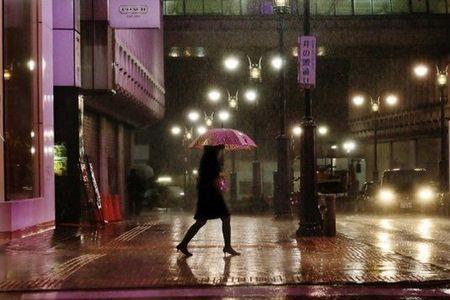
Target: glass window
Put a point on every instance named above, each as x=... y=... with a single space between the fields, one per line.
x=363 y=7
x=344 y=7
x=322 y=7
x=438 y=6
x=381 y=7
x=213 y=7
x=419 y=6
x=173 y=7
x=20 y=99
x=232 y=7
x=400 y=6
x=250 y=7
x=194 y=7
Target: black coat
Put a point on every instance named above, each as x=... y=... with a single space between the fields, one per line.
x=210 y=204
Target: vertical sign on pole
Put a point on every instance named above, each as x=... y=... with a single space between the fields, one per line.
x=307 y=61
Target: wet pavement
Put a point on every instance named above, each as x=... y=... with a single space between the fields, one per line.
x=403 y=251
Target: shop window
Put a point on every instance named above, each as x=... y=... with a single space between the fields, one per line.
x=194 y=7
x=437 y=6
x=400 y=6
x=363 y=7
x=232 y=7
x=173 y=7
x=21 y=99
x=213 y=7
x=322 y=7
x=251 y=7
x=419 y=6
x=344 y=7
x=381 y=7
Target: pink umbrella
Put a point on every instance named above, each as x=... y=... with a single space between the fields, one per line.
x=232 y=139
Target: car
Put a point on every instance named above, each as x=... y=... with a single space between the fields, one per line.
x=406 y=189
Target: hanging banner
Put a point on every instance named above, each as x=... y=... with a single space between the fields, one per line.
x=307 y=61
x=128 y=14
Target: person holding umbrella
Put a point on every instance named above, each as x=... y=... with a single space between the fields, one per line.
x=210 y=184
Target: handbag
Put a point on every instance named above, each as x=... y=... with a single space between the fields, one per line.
x=221 y=184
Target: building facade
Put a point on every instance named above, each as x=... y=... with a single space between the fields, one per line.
x=367 y=47
x=73 y=87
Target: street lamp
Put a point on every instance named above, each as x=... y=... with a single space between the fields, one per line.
x=421 y=71
x=231 y=63
x=310 y=219
x=176 y=130
x=375 y=105
x=250 y=95
x=209 y=119
x=323 y=130
x=193 y=116
x=224 y=116
x=186 y=137
x=214 y=95
x=201 y=130
x=282 y=181
x=297 y=130
x=255 y=69
x=233 y=100
x=349 y=146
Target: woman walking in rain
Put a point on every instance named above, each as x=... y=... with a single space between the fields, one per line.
x=210 y=204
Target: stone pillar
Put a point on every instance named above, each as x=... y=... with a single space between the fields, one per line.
x=103 y=157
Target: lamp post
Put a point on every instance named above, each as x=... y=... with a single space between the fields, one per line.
x=442 y=82
x=186 y=137
x=310 y=219
x=252 y=96
x=375 y=104
x=421 y=71
x=233 y=102
x=281 y=193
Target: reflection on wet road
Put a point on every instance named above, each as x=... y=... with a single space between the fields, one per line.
x=141 y=254
x=422 y=238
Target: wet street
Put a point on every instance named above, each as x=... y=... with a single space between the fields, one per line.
x=404 y=251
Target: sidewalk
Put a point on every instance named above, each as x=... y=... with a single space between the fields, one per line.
x=141 y=254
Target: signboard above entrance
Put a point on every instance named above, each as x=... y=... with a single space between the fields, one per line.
x=128 y=14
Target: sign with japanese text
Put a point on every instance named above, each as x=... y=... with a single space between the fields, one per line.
x=307 y=61
x=127 y=14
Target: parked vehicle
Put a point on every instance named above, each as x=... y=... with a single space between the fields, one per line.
x=403 y=189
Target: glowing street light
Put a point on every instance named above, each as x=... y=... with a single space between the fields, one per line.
x=214 y=95
x=209 y=119
x=176 y=130
x=201 y=130
x=421 y=70
x=193 y=116
x=231 y=63
x=349 y=146
x=277 y=62
x=323 y=130
x=250 y=95
x=224 y=115
x=297 y=130
x=358 y=100
x=391 y=100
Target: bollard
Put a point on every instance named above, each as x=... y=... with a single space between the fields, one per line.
x=329 y=220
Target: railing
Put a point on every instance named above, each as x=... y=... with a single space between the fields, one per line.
x=318 y=7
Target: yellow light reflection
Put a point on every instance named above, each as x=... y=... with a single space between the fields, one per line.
x=424 y=228
x=384 y=241
x=386 y=224
x=423 y=252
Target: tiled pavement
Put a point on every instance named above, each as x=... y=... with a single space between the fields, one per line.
x=140 y=254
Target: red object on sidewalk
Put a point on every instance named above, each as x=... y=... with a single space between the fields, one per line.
x=107 y=208
x=117 y=207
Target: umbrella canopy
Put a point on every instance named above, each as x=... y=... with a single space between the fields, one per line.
x=232 y=139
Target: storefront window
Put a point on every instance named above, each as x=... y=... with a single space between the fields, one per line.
x=194 y=7
x=419 y=6
x=438 y=6
x=20 y=99
x=363 y=7
x=232 y=7
x=173 y=7
x=381 y=7
x=344 y=7
x=213 y=7
x=400 y=6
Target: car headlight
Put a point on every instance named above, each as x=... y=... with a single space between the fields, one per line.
x=386 y=195
x=426 y=193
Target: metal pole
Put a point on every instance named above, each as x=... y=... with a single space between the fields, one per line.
x=310 y=219
x=443 y=163
x=256 y=186
x=281 y=207
x=375 y=147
